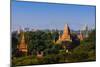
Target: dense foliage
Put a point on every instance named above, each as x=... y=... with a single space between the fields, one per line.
x=75 y=51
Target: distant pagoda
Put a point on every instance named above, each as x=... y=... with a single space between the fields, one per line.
x=80 y=36
x=22 y=45
x=85 y=30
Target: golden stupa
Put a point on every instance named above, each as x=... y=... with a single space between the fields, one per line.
x=66 y=36
x=22 y=46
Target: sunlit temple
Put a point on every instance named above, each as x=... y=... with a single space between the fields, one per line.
x=66 y=36
x=22 y=45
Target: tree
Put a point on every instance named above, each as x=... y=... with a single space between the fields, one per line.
x=14 y=42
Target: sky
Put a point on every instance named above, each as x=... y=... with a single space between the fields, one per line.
x=38 y=15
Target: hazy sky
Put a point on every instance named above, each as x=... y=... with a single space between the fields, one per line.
x=51 y=16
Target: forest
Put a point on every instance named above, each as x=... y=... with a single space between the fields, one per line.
x=44 y=41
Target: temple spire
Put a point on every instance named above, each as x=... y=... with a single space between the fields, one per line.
x=22 y=46
x=18 y=30
x=66 y=36
x=80 y=36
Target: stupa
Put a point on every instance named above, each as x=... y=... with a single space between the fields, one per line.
x=22 y=46
x=80 y=36
x=66 y=36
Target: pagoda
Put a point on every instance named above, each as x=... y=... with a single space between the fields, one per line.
x=22 y=46
x=80 y=36
x=66 y=36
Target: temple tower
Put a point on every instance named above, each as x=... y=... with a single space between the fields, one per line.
x=66 y=36
x=85 y=30
x=18 y=31
x=22 y=46
x=80 y=36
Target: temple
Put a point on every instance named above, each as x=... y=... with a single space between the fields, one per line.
x=66 y=36
x=22 y=46
x=80 y=36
